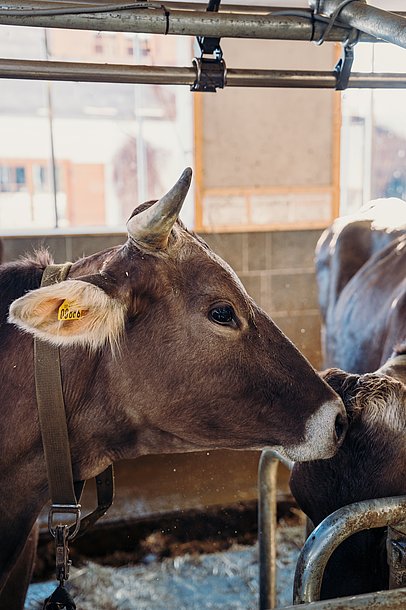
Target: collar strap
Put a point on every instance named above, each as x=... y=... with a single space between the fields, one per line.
x=51 y=408
x=64 y=493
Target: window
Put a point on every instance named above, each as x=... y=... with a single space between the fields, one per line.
x=12 y=179
x=373 y=151
x=115 y=146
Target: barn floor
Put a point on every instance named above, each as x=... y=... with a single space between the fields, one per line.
x=226 y=580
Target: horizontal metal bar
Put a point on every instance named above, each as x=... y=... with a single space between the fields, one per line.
x=171 y=4
x=185 y=22
x=332 y=531
x=167 y=75
x=383 y=600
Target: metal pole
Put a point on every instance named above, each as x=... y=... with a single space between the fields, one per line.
x=368 y=19
x=396 y=552
x=163 y=75
x=331 y=532
x=267 y=523
x=51 y=137
x=181 y=22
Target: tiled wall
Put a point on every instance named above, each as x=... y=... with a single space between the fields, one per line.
x=276 y=268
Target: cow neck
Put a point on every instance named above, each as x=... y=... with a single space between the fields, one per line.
x=64 y=493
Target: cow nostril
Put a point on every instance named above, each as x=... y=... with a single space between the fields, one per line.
x=340 y=427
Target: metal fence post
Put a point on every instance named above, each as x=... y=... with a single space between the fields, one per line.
x=267 y=486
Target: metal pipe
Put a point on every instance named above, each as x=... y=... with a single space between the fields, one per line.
x=51 y=137
x=267 y=523
x=331 y=532
x=173 y=75
x=396 y=554
x=181 y=22
x=179 y=5
x=382 y=600
x=368 y=19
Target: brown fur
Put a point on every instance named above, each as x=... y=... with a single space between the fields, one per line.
x=370 y=464
x=353 y=256
x=179 y=382
x=361 y=264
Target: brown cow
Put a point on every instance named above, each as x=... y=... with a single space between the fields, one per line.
x=371 y=463
x=361 y=263
x=170 y=355
x=361 y=324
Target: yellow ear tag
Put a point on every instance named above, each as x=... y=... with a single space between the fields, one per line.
x=68 y=311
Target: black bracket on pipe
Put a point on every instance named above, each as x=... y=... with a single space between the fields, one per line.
x=342 y=70
x=210 y=71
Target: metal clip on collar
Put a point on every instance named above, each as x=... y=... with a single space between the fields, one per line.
x=62 y=562
x=211 y=72
x=67 y=510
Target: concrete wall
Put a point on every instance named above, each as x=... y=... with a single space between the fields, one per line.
x=277 y=270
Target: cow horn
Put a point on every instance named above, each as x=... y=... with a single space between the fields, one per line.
x=151 y=227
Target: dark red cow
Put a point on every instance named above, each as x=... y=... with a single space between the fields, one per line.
x=361 y=273
x=170 y=354
x=371 y=463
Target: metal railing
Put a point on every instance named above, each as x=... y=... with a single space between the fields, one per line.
x=319 y=546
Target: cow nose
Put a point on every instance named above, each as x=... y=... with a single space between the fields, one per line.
x=324 y=433
x=340 y=428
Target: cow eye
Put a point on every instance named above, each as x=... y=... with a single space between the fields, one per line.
x=224 y=315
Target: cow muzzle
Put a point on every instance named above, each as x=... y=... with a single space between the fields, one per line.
x=324 y=434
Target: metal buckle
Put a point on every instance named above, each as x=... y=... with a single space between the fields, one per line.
x=63 y=510
x=211 y=74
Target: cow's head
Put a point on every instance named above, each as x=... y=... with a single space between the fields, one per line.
x=369 y=464
x=184 y=356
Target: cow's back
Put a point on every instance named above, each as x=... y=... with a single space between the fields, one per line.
x=345 y=255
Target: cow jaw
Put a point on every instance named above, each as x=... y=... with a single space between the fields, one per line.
x=100 y=320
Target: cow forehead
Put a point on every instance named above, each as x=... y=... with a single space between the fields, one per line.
x=382 y=402
x=203 y=274
x=188 y=265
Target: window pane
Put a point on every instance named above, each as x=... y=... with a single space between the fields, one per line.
x=107 y=147
x=373 y=155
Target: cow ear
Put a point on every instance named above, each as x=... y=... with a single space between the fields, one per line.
x=73 y=312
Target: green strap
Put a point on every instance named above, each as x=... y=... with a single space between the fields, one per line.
x=51 y=408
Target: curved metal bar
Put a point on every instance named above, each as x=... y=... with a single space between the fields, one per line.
x=382 y=600
x=331 y=532
x=267 y=486
x=368 y=19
